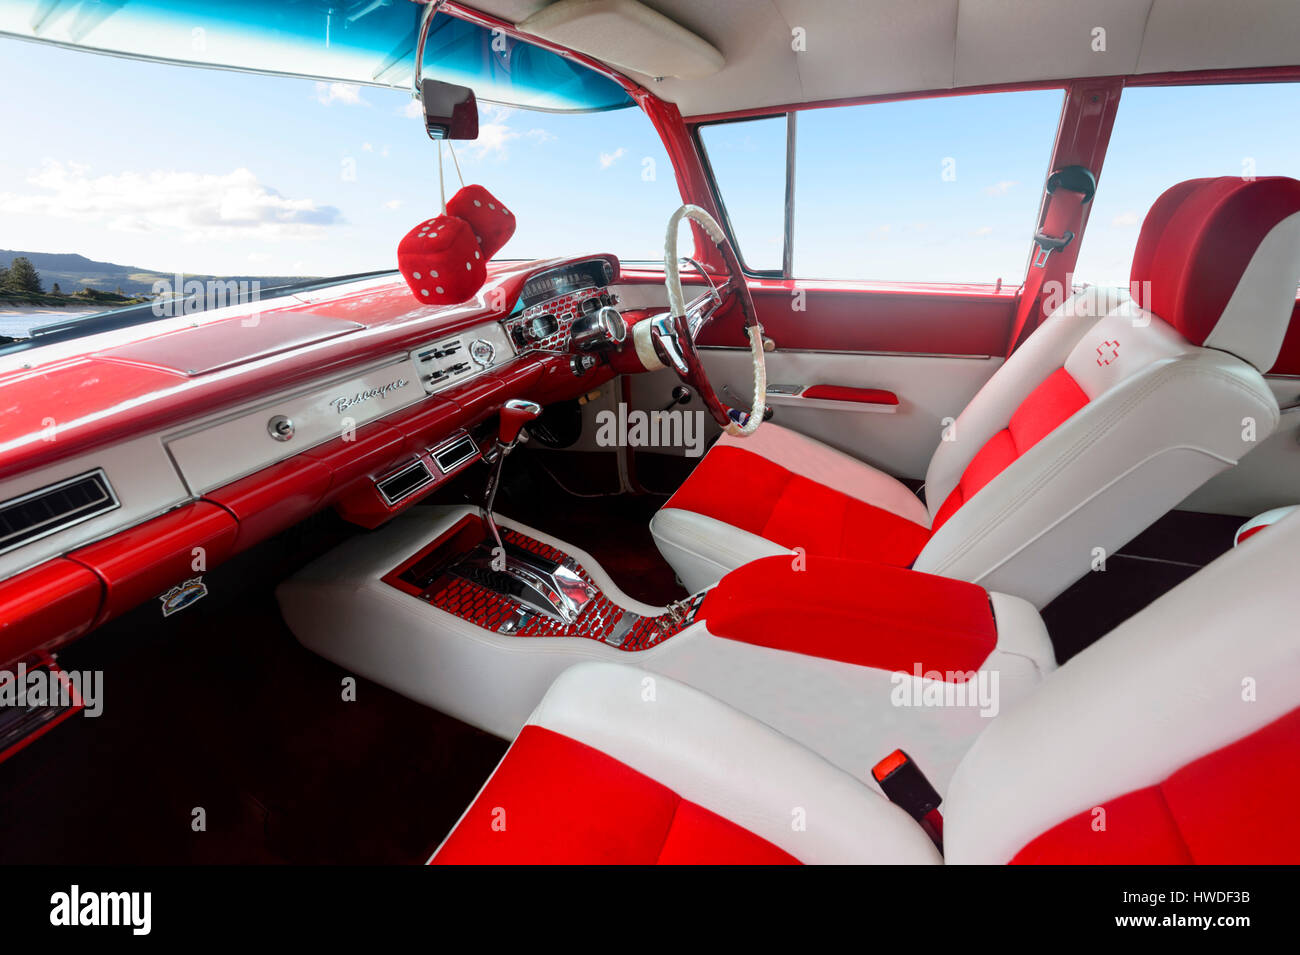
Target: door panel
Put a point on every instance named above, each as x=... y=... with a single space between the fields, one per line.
x=869 y=317
x=932 y=346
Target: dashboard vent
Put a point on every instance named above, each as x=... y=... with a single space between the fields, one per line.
x=402 y=484
x=51 y=509
x=454 y=453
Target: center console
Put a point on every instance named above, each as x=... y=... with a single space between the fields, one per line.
x=538 y=591
x=850 y=659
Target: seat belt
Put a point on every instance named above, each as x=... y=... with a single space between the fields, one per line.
x=1069 y=189
x=906 y=787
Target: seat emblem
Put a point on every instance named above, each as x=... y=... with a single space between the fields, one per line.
x=1107 y=352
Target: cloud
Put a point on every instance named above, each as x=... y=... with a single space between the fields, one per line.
x=192 y=205
x=983 y=230
x=413 y=110
x=349 y=94
x=367 y=148
x=608 y=159
x=1000 y=188
x=495 y=135
x=1126 y=219
x=393 y=204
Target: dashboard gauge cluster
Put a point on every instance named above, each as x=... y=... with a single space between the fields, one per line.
x=592 y=274
x=568 y=309
x=548 y=326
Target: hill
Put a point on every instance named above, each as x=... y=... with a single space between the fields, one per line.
x=73 y=272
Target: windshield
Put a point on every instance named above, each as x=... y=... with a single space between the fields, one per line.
x=369 y=42
x=131 y=178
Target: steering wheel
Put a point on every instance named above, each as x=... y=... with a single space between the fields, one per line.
x=670 y=337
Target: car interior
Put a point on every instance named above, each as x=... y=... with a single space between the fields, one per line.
x=712 y=559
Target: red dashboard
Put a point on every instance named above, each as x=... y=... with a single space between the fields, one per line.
x=66 y=406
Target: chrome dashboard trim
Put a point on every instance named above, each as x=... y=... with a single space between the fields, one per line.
x=417 y=464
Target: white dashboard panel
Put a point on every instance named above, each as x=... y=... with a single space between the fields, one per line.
x=142 y=477
x=218 y=453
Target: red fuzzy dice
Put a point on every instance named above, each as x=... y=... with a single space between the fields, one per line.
x=441 y=261
x=492 y=222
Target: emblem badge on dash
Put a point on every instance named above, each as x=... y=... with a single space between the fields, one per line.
x=182 y=595
x=383 y=391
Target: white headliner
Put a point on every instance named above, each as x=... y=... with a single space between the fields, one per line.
x=867 y=47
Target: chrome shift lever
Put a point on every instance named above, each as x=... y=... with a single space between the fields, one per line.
x=515 y=414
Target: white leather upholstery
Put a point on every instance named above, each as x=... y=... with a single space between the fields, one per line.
x=703 y=549
x=1163 y=417
x=991 y=408
x=340 y=607
x=1192 y=673
x=1159 y=691
x=740 y=768
x=1256 y=317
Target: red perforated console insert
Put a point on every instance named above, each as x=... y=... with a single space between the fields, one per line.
x=490 y=610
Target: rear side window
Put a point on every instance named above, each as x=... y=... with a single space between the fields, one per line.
x=1166 y=134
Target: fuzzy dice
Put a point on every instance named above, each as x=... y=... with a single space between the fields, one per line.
x=442 y=261
x=492 y=222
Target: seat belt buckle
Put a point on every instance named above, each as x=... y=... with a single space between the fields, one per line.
x=906 y=787
x=1047 y=244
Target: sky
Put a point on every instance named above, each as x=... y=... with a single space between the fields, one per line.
x=214 y=172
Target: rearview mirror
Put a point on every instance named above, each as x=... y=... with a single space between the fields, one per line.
x=450 y=111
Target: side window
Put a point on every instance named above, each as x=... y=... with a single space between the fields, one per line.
x=747 y=158
x=943 y=190
x=1166 y=134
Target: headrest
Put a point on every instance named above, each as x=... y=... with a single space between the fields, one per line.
x=1219 y=259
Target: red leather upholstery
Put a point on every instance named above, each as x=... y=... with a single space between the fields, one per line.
x=1047 y=406
x=1196 y=242
x=1181 y=820
x=556 y=801
x=854 y=612
x=873 y=396
x=775 y=503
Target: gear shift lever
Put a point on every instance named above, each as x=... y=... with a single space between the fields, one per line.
x=514 y=415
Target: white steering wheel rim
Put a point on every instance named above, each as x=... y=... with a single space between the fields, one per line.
x=677 y=306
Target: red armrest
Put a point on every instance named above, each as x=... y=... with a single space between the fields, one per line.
x=870 y=396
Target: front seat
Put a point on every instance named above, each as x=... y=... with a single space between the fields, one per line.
x=1106 y=417
x=1169 y=741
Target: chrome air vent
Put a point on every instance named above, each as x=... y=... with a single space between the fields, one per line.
x=452 y=454
x=400 y=485
x=52 y=509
